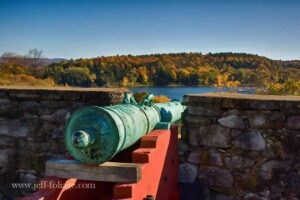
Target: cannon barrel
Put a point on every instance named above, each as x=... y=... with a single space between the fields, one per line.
x=95 y=134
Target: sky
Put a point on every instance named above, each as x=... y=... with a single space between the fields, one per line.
x=91 y=28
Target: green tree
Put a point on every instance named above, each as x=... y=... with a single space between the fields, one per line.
x=78 y=76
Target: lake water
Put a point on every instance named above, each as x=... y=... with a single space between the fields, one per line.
x=178 y=92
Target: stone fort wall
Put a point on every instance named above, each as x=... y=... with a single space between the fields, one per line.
x=31 y=127
x=237 y=146
x=232 y=146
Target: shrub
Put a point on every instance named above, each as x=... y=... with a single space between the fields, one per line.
x=290 y=87
x=25 y=80
x=139 y=97
x=160 y=99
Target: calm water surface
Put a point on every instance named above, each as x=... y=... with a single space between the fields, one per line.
x=178 y=92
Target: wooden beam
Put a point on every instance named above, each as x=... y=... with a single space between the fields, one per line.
x=109 y=171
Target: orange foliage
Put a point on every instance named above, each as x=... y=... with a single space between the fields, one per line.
x=161 y=99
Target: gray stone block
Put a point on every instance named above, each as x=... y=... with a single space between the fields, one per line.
x=250 y=141
x=232 y=121
x=236 y=162
x=215 y=176
x=6 y=157
x=187 y=173
x=14 y=127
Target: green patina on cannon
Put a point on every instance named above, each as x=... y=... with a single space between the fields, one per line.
x=95 y=134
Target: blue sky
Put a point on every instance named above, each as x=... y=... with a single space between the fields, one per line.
x=87 y=28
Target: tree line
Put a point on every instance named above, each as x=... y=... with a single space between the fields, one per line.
x=169 y=69
x=220 y=69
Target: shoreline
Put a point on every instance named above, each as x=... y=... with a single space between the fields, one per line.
x=170 y=86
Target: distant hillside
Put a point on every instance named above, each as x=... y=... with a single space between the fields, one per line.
x=168 y=69
x=23 y=61
x=48 y=61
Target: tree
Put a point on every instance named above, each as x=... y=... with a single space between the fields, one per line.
x=143 y=77
x=9 y=55
x=183 y=76
x=163 y=76
x=125 y=82
x=11 y=59
x=35 y=56
x=79 y=76
x=195 y=78
x=56 y=72
x=221 y=80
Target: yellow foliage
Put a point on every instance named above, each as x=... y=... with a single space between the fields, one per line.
x=24 y=80
x=125 y=82
x=205 y=80
x=139 y=97
x=290 y=87
x=160 y=99
x=143 y=74
x=203 y=69
x=221 y=80
x=5 y=82
x=233 y=84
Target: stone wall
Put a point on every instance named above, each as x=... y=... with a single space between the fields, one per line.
x=241 y=146
x=31 y=127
